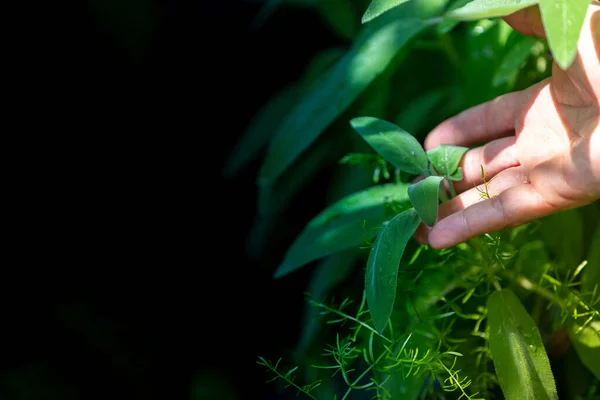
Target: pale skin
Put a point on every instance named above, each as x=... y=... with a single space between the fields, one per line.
x=542 y=146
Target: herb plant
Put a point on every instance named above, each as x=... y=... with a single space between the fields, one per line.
x=513 y=314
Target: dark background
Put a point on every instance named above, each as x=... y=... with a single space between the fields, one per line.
x=129 y=277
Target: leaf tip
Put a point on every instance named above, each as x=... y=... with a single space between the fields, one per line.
x=283 y=269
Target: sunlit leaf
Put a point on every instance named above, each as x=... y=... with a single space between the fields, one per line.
x=381 y=277
x=393 y=143
x=378 y=7
x=334 y=91
x=424 y=196
x=478 y=9
x=563 y=20
x=348 y=223
x=512 y=61
x=518 y=351
x=445 y=158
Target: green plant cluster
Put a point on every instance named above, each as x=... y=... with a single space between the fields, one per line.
x=387 y=317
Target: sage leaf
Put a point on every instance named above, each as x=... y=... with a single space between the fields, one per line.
x=479 y=9
x=424 y=196
x=562 y=21
x=518 y=351
x=347 y=223
x=445 y=158
x=334 y=91
x=381 y=277
x=393 y=143
x=378 y=7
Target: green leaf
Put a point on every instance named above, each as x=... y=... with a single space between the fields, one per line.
x=378 y=7
x=518 y=351
x=457 y=175
x=267 y=119
x=479 y=9
x=347 y=223
x=334 y=91
x=393 y=143
x=424 y=196
x=586 y=341
x=591 y=273
x=445 y=158
x=563 y=20
x=261 y=128
x=381 y=277
x=514 y=58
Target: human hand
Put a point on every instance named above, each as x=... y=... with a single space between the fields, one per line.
x=543 y=148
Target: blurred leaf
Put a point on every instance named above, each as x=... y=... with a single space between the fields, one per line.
x=260 y=129
x=378 y=7
x=334 y=91
x=345 y=224
x=591 y=273
x=268 y=118
x=321 y=62
x=330 y=272
x=273 y=200
x=394 y=144
x=479 y=9
x=424 y=196
x=341 y=17
x=381 y=277
x=416 y=114
x=512 y=61
x=518 y=351
x=563 y=20
x=586 y=341
x=566 y=249
x=482 y=50
x=445 y=158
x=531 y=259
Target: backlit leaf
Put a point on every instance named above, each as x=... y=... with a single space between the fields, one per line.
x=563 y=20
